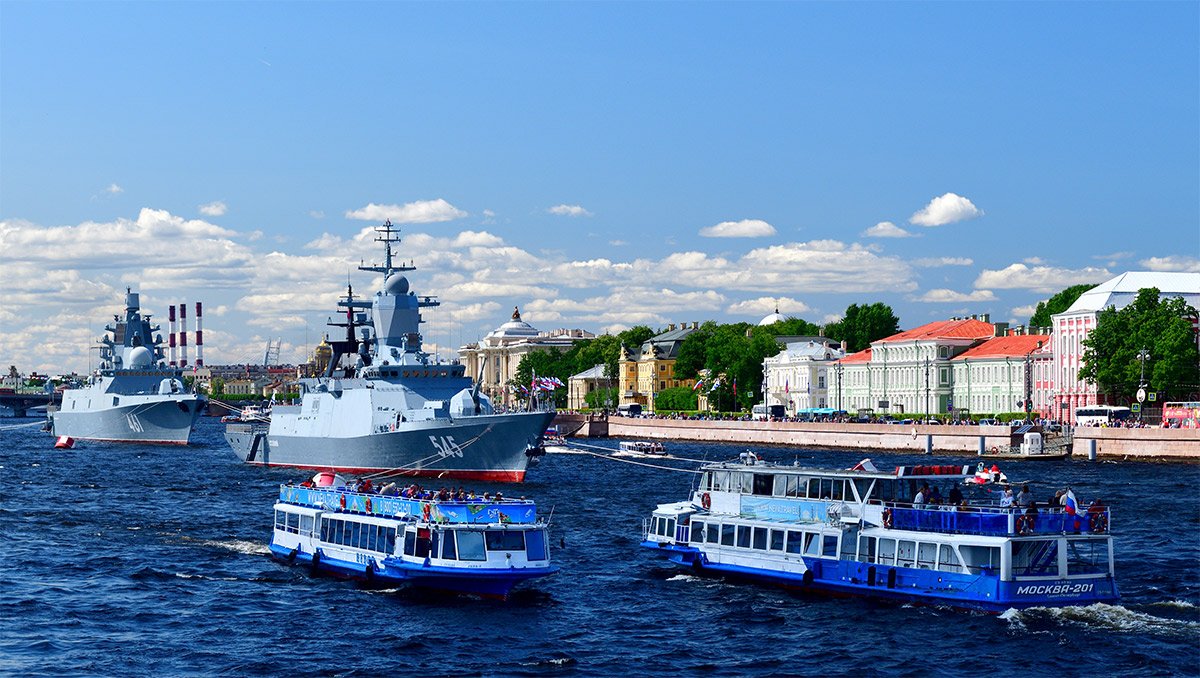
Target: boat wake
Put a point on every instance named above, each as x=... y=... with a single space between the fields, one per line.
x=1099 y=616
x=243 y=546
x=685 y=577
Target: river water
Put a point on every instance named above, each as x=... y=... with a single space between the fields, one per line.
x=141 y=559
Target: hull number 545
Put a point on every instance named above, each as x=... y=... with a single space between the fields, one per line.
x=446 y=446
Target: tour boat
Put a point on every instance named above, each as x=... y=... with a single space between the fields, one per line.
x=858 y=532
x=476 y=546
x=642 y=446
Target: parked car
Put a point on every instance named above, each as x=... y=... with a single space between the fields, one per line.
x=989 y=422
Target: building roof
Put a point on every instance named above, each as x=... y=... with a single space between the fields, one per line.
x=966 y=328
x=667 y=343
x=596 y=372
x=1122 y=290
x=1016 y=346
x=863 y=356
x=514 y=328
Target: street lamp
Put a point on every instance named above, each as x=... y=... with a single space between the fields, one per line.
x=1142 y=356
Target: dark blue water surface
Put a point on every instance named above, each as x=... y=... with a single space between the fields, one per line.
x=138 y=559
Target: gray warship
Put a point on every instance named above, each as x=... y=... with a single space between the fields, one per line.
x=384 y=407
x=134 y=396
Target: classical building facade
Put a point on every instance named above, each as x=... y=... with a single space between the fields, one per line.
x=907 y=372
x=1073 y=325
x=650 y=368
x=494 y=359
x=1001 y=373
x=579 y=385
x=798 y=376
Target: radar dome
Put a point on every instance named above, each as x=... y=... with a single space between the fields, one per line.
x=396 y=285
x=138 y=357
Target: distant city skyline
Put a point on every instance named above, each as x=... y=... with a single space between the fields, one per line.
x=598 y=165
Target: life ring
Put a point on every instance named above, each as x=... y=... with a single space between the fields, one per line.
x=1097 y=522
x=887 y=518
x=995 y=450
x=368 y=504
x=706 y=501
x=343 y=502
x=426 y=511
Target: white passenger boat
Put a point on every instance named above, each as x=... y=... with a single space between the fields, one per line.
x=476 y=545
x=858 y=532
x=642 y=446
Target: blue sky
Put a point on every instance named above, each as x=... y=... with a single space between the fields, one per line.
x=578 y=160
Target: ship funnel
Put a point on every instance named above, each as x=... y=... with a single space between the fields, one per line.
x=171 y=332
x=183 y=335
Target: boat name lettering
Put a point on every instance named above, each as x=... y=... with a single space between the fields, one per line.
x=363 y=559
x=446 y=447
x=1053 y=589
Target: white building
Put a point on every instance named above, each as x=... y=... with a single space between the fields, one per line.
x=1000 y=374
x=798 y=376
x=1072 y=326
x=495 y=358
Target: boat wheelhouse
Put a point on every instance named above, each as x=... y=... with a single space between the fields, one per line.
x=484 y=547
x=642 y=446
x=858 y=532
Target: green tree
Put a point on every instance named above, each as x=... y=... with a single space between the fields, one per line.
x=1163 y=327
x=693 y=352
x=602 y=398
x=217 y=386
x=1056 y=304
x=863 y=324
x=678 y=398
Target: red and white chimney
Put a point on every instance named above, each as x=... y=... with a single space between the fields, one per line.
x=199 y=335
x=171 y=332
x=183 y=335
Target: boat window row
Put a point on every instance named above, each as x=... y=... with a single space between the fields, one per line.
x=1040 y=558
x=352 y=534
x=473 y=545
x=786 y=485
x=760 y=538
x=295 y=523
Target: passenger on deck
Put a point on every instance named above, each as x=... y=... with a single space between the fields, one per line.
x=956 y=496
x=1024 y=496
x=922 y=495
x=1006 y=499
x=499 y=497
x=1026 y=522
x=935 y=495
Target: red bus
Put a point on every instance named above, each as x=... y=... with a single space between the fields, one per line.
x=1181 y=415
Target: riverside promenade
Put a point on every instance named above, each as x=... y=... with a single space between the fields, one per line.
x=1148 y=443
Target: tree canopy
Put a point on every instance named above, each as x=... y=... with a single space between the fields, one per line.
x=583 y=355
x=863 y=324
x=1162 y=327
x=1056 y=304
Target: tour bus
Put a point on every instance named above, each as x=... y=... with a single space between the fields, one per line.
x=1181 y=415
x=763 y=412
x=1101 y=415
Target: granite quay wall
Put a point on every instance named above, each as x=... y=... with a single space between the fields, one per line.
x=1153 y=443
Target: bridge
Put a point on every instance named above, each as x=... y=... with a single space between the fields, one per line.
x=21 y=403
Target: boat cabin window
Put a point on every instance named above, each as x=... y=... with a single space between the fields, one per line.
x=470 y=545
x=830 y=549
x=712 y=530
x=760 y=538
x=743 y=536
x=705 y=481
x=863 y=487
x=697 y=532
x=1087 y=556
x=791 y=485
x=795 y=543
x=448 y=550
x=513 y=540
x=777 y=540
x=535 y=544
x=424 y=545
x=812 y=546
x=948 y=559
x=1034 y=558
x=976 y=558
x=727 y=535
x=410 y=542
x=887 y=551
x=764 y=484
x=926 y=556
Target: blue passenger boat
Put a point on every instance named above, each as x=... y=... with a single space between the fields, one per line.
x=858 y=532
x=482 y=546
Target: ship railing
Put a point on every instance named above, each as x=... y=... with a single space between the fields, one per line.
x=479 y=511
x=999 y=522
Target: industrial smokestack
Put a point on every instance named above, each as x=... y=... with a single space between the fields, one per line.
x=199 y=335
x=171 y=330
x=183 y=335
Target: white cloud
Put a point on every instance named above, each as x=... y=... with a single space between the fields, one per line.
x=316 y=214
x=945 y=209
x=1025 y=312
x=1034 y=261
x=114 y=189
x=1039 y=278
x=617 y=243
x=419 y=212
x=766 y=305
x=1174 y=262
x=569 y=211
x=213 y=209
x=941 y=296
x=886 y=229
x=746 y=228
x=935 y=262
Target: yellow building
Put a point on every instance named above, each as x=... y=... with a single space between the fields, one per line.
x=650 y=368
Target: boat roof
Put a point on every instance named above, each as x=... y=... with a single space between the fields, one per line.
x=936 y=471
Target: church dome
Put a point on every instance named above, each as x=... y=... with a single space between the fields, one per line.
x=514 y=328
x=772 y=319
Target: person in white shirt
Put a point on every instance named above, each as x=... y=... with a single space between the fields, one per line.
x=921 y=494
x=1006 y=499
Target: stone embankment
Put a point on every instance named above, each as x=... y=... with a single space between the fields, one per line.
x=1150 y=443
